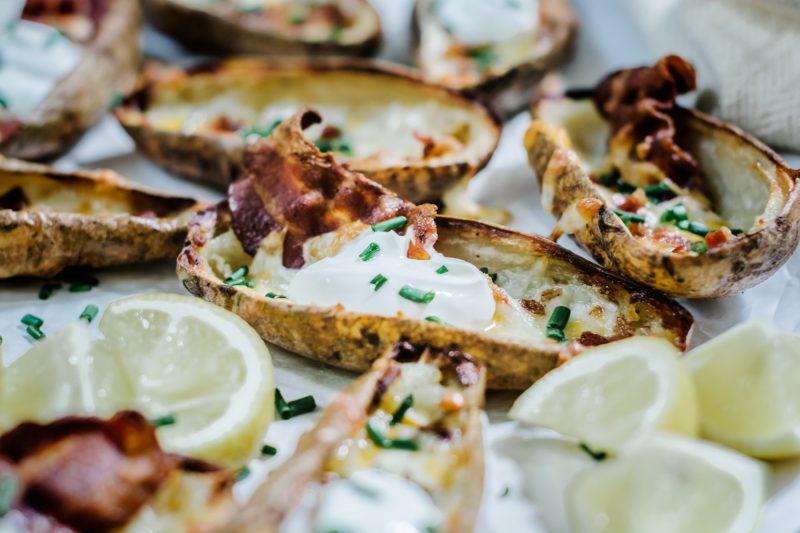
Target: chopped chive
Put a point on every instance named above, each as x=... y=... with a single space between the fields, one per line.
x=608 y=179
x=381 y=441
x=675 y=213
x=737 y=231
x=484 y=57
x=625 y=187
x=390 y=224
x=9 y=485
x=506 y=492
x=275 y=296
x=442 y=270
x=369 y=252
x=596 y=455
x=80 y=287
x=32 y=320
x=89 y=312
x=557 y=322
x=697 y=228
x=3 y=103
x=627 y=217
x=699 y=247
x=35 y=332
x=417 y=295
x=47 y=290
x=378 y=281
x=116 y=101
x=658 y=189
x=161 y=421
x=241 y=474
x=302 y=406
x=249 y=283
x=435 y=319
x=405 y=405
x=266 y=449
x=256 y=131
x=340 y=144
x=556 y=334
x=1 y=340
x=492 y=275
x=239 y=273
x=281 y=406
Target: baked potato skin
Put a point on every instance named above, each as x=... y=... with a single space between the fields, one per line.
x=217 y=160
x=352 y=341
x=42 y=244
x=83 y=96
x=725 y=270
x=202 y=30
x=508 y=94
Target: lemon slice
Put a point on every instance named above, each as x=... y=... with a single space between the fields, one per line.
x=667 y=484
x=614 y=393
x=199 y=364
x=62 y=375
x=747 y=388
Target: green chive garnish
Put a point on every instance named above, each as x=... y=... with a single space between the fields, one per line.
x=388 y=225
x=239 y=273
x=9 y=485
x=596 y=455
x=657 y=189
x=281 y=406
x=268 y=450
x=434 y=319
x=47 y=290
x=340 y=144
x=80 y=287
x=298 y=407
x=369 y=252
x=625 y=187
x=405 y=405
x=381 y=441
x=737 y=231
x=35 y=332
x=89 y=312
x=491 y=275
x=3 y=103
x=608 y=179
x=417 y=295
x=627 y=217
x=116 y=101
x=557 y=322
x=275 y=296
x=698 y=228
x=241 y=474
x=442 y=270
x=249 y=283
x=505 y=492
x=161 y=421
x=378 y=281
x=699 y=247
x=674 y=214
x=256 y=131
x=32 y=320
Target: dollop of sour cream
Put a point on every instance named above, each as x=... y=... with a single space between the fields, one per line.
x=462 y=296
x=374 y=501
x=34 y=58
x=483 y=22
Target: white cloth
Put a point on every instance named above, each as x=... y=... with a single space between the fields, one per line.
x=747 y=55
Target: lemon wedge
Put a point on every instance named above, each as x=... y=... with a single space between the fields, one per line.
x=747 y=388
x=665 y=484
x=612 y=394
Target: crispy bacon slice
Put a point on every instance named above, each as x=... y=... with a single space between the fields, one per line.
x=289 y=184
x=638 y=103
x=86 y=474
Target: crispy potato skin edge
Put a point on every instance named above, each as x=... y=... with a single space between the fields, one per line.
x=730 y=269
x=353 y=341
x=83 y=96
x=43 y=244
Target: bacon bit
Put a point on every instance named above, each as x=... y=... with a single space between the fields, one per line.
x=384 y=382
x=549 y=294
x=637 y=229
x=330 y=133
x=14 y=199
x=224 y=124
x=638 y=103
x=431 y=148
x=670 y=238
x=597 y=311
x=421 y=219
x=719 y=237
x=630 y=203
x=533 y=306
x=452 y=402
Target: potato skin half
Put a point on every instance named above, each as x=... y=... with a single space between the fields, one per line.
x=353 y=341
x=217 y=159
x=203 y=30
x=509 y=93
x=83 y=96
x=42 y=244
x=285 y=488
x=728 y=269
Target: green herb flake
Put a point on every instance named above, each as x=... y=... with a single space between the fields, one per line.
x=699 y=247
x=442 y=270
x=483 y=57
x=506 y=492
x=624 y=187
x=302 y=406
x=378 y=281
x=32 y=320
x=417 y=295
x=254 y=132
x=275 y=296
x=47 y=290
x=596 y=455
x=80 y=287
x=628 y=218
x=557 y=322
x=405 y=405
x=35 y=332
x=116 y=100
x=369 y=252
x=88 y=313
x=268 y=450
x=9 y=486
x=737 y=231
x=281 y=406
x=435 y=320
x=161 y=421
x=381 y=441
x=675 y=214
x=242 y=473
x=492 y=275
x=390 y=224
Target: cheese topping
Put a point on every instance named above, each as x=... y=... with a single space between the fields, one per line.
x=461 y=295
x=482 y=22
x=34 y=58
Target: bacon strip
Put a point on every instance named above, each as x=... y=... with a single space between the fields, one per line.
x=638 y=103
x=289 y=184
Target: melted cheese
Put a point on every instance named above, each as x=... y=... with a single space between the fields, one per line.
x=34 y=58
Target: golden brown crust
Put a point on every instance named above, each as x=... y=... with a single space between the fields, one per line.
x=217 y=159
x=727 y=269
x=42 y=243
x=222 y=29
x=80 y=99
x=512 y=91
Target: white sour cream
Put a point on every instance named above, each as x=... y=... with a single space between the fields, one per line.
x=463 y=297
x=373 y=501
x=482 y=22
x=34 y=58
